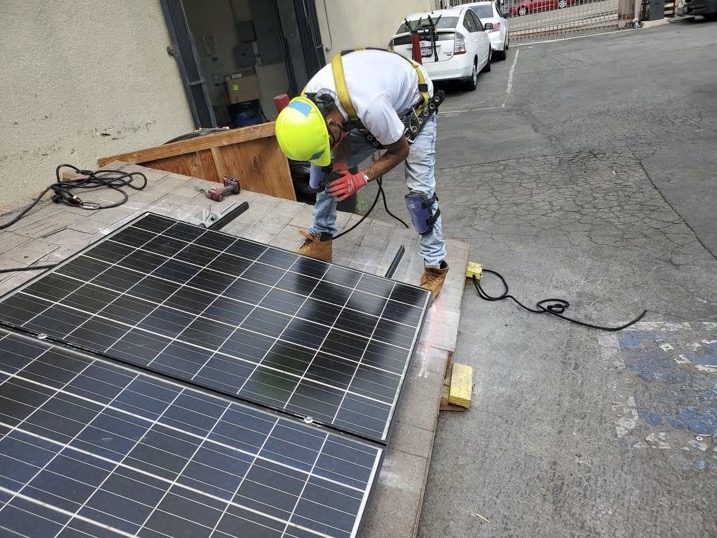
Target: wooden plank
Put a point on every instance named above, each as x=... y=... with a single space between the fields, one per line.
x=260 y=166
x=461 y=385
x=232 y=136
x=187 y=165
x=219 y=166
x=209 y=166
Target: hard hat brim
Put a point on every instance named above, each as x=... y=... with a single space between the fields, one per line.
x=324 y=159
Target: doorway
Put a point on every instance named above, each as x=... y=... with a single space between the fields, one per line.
x=237 y=55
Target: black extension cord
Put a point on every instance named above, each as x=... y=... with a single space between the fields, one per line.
x=555 y=307
x=63 y=193
x=382 y=194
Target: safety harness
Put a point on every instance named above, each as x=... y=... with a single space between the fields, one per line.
x=414 y=120
x=420 y=206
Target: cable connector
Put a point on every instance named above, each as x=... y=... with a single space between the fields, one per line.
x=474 y=269
x=65 y=196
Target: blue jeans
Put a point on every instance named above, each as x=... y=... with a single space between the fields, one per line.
x=419 y=171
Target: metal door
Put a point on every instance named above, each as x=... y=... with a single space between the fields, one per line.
x=185 y=54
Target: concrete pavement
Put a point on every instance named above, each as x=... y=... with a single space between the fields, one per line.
x=584 y=169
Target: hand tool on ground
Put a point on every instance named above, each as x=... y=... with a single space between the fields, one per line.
x=231 y=186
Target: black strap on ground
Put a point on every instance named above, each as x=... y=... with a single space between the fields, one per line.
x=555 y=307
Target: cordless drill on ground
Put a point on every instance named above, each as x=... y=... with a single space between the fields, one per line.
x=231 y=186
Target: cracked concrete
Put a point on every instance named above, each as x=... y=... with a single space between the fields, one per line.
x=595 y=183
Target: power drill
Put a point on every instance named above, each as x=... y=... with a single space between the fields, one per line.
x=330 y=175
x=231 y=186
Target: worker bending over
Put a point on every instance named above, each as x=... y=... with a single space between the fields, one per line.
x=363 y=102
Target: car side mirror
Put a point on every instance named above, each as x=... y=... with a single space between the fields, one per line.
x=488 y=26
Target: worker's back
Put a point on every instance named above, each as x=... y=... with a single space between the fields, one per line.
x=372 y=75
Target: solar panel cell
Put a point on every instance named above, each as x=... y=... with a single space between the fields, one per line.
x=235 y=316
x=152 y=458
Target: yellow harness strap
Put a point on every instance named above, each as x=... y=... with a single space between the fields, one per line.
x=342 y=91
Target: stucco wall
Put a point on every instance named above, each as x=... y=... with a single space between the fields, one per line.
x=347 y=24
x=80 y=79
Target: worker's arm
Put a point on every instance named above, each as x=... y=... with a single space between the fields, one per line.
x=394 y=155
x=384 y=123
x=349 y=183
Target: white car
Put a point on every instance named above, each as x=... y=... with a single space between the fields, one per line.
x=454 y=44
x=491 y=15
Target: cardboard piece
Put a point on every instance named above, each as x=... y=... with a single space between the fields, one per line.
x=243 y=86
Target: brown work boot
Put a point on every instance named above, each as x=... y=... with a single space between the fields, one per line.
x=316 y=246
x=433 y=279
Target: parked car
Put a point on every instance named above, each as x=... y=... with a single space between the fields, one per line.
x=491 y=15
x=706 y=8
x=537 y=6
x=454 y=44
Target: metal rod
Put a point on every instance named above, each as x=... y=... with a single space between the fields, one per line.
x=396 y=261
x=228 y=217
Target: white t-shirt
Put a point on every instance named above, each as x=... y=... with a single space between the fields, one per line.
x=381 y=86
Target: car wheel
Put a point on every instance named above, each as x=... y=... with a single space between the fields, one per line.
x=486 y=67
x=562 y=4
x=499 y=55
x=522 y=10
x=472 y=83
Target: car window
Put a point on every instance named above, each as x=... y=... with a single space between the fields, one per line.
x=441 y=23
x=498 y=11
x=476 y=22
x=484 y=11
x=468 y=21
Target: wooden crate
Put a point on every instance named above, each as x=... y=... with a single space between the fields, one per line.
x=251 y=154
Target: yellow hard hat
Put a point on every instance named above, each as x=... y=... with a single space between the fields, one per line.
x=302 y=132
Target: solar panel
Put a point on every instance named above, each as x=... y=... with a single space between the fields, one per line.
x=91 y=448
x=242 y=318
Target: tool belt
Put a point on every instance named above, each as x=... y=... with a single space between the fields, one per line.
x=414 y=120
x=417 y=118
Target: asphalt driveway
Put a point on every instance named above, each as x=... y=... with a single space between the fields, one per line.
x=584 y=169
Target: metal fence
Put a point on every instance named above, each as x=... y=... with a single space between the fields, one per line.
x=532 y=19
x=537 y=18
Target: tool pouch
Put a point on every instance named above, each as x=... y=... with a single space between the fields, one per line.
x=417 y=118
x=420 y=207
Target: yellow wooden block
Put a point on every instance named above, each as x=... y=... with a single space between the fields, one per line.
x=474 y=268
x=461 y=390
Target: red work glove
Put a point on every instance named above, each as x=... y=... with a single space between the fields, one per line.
x=346 y=185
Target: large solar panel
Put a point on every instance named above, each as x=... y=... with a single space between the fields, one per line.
x=242 y=318
x=91 y=448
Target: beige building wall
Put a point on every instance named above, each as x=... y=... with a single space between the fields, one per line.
x=81 y=79
x=348 y=24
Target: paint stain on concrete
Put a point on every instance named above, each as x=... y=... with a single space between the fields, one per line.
x=673 y=406
x=676 y=363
